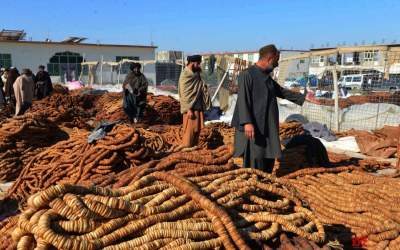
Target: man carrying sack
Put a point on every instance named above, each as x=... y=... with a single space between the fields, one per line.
x=194 y=99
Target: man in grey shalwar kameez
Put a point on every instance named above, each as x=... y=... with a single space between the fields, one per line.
x=256 y=115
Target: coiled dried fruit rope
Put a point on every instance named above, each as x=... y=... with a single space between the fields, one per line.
x=290 y=129
x=154 y=141
x=77 y=161
x=230 y=209
x=21 y=138
x=196 y=162
x=366 y=204
x=159 y=110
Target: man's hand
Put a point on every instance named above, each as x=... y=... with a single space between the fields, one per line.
x=310 y=97
x=190 y=114
x=249 y=131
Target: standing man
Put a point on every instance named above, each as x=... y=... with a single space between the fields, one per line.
x=194 y=99
x=43 y=84
x=2 y=97
x=256 y=115
x=12 y=76
x=24 y=89
x=135 y=93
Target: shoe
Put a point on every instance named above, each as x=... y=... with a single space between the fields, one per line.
x=135 y=120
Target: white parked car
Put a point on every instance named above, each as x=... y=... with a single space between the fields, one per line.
x=351 y=81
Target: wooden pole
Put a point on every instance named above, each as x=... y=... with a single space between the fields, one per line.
x=220 y=84
x=101 y=71
x=336 y=89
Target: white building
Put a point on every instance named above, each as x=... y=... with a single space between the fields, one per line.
x=292 y=69
x=63 y=59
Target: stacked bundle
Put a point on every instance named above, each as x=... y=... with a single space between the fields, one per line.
x=65 y=109
x=290 y=129
x=23 y=137
x=77 y=161
x=365 y=204
x=60 y=89
x=163 y=110
x=292 y=160
x=109 y=107
x=227 y=132
x=182 y=163
x=170 y=133
x=237 y=209
x=6 y=112
x=154 y=141
x=374 y=97
x=159 y=109
x=210 y=136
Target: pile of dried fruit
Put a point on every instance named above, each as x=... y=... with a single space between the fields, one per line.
x=109 y=107
x=162 y=110
x=210 y=137
x=6 y=112
x=196 y=162
x=23 y=137
x=226 y=131
x=379 y=143
x=365 y=204
x=290 y=129
x=76 y=161
x=374 y=97
x=159 y=109
x=292 y=159
x=234 y=209
x=68 y=110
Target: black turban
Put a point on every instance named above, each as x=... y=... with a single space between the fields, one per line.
x=194 y=58
x=135 y=66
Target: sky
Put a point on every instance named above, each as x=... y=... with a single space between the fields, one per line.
x=208 y=25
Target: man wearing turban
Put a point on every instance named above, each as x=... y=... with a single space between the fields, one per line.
x=194 y=100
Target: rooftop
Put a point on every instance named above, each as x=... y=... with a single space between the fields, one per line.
x=65 y=42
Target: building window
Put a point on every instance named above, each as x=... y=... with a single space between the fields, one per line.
x=332 y=59
x=66 y=64
x=125 y=66
x=5 y=60
x=317 y=59
x=371 y=56
x=250 y=57
x=302 y=61
x=240 y=56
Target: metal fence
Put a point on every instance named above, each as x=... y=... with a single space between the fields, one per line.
x=359 y=90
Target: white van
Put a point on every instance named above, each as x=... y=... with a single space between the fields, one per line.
x=351 y=81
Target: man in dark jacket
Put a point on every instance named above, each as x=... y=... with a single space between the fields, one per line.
x=12 y=75
x=43 y=84
x=135 y=93
x=256 y=115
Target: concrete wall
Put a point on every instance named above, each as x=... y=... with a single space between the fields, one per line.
x=30 y=55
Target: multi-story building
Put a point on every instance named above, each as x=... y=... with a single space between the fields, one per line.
x=381 y=59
